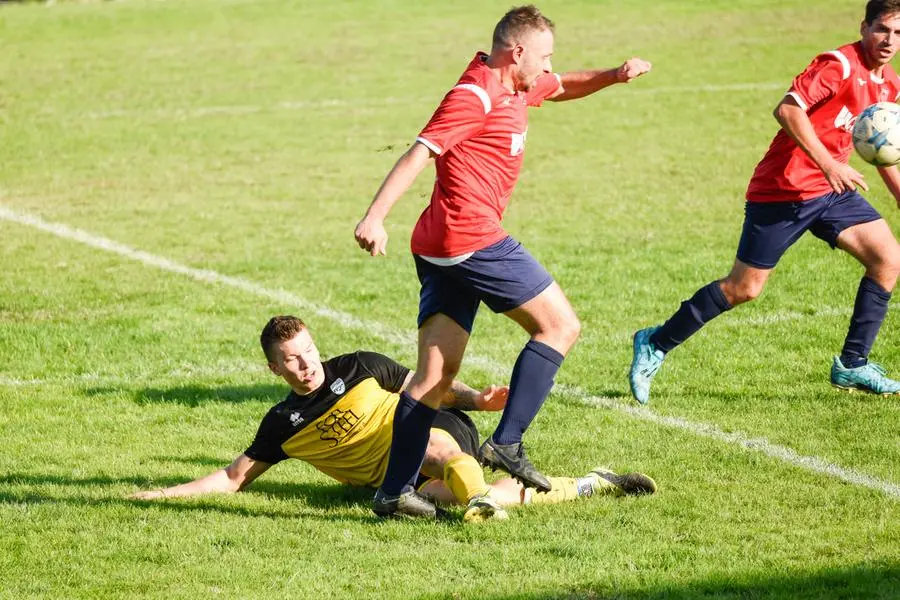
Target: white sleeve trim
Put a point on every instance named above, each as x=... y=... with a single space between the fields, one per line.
x=799 y=100
x=846 y=63
x=434 y=148
x=482 y=95
x=561 y=86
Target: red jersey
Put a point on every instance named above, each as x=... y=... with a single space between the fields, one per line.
x=478 y=133
x=832 y=90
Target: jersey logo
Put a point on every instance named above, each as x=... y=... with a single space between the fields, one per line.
x=518 y=143
x=337 y=386
x=295 y=418
x=335 y=427
x=861 y=81
x=845 y=119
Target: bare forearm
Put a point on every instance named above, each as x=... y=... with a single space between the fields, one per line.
x=796 y=124
x=579 y=84
x=461 y=396
x=214 y=482
x=400 y=178
x=891 y=177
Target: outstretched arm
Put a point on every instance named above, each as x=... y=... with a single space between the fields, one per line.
x=232 y=478
x=579 y=84
x=795 y=122
x=370 y=233
x=463 y=397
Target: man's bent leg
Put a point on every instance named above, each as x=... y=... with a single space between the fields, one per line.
x=553 y=326
x=462 y=476
x=442 y=343
x=744 y=283
x=874 y=245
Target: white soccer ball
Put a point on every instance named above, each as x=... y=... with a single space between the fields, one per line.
x=876 y=134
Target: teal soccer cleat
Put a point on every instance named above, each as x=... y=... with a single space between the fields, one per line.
x=868 y=378
x=644 y=365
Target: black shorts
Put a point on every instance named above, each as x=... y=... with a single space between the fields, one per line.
x=504 y=276
x=770 y=228
x=461 y=428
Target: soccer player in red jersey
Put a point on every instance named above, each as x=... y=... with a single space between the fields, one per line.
x=804 y=183
x=476 y=138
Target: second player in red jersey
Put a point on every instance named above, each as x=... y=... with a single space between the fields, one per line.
x=833 y=90
x=804 y=183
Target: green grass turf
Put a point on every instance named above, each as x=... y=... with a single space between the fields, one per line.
x=247 y=138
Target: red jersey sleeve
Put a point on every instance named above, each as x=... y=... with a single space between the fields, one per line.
x=819 y=81
x=460 y=116
x=546 y=85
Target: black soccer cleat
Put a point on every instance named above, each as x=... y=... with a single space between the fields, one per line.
x=512 y=459
x=408 y=504
x=629 y=484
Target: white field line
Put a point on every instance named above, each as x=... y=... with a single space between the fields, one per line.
x=782 y=453
x=193 y=112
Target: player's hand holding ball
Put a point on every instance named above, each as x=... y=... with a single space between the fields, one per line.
x=631 y=69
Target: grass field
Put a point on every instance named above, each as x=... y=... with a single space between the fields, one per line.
x=174 y=173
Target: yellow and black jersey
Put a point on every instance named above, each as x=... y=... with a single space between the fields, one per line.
x=344 y=429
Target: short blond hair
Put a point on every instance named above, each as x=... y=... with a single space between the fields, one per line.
x=517 y=22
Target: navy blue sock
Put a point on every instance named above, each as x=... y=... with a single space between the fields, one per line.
x=412 y=426
x=532 y=378
x=708 y=303
x=868 y=313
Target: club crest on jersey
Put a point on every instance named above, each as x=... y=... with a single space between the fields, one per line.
x=518 y=143
x=845 y=119
x=338 y=387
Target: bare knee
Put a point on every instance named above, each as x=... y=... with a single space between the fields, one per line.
x=434 y=383
x=562 y=333
x=569 y=330
x=739 y=292
x=887 y=269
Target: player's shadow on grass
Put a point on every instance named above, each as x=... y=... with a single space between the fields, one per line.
x=311 y=499
x=195 y=395
x=852 y=581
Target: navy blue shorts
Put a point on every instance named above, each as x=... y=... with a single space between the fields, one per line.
x=770 y=228
x=504 y=276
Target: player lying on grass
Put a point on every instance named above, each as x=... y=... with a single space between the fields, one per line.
x=338 y=418
x=804 y=183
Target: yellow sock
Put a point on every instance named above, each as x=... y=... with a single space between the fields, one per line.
x=562 y=489
x=464 y=478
